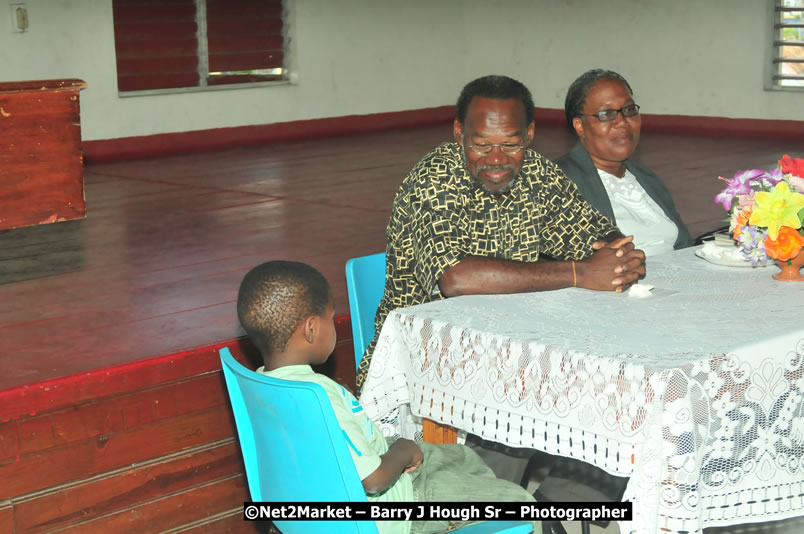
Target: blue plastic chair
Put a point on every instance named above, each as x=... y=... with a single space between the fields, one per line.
x=365 y=284
x=294 y=450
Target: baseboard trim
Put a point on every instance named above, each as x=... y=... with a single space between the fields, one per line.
x=724 y=127
x=148 y=146
x=699 y=126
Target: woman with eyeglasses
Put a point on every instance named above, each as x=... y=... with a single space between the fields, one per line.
x=600 y=108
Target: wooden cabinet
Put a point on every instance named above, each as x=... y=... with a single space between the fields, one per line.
x=41 y=168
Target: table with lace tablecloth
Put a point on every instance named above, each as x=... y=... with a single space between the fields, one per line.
x=694 y=392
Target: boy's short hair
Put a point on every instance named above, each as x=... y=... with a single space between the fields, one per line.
x=275 y=297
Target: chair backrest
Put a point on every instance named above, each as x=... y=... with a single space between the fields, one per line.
x=365 y=283
x=293 y=446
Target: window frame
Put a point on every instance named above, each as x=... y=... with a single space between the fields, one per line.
x=772 y=57
x=202 y=54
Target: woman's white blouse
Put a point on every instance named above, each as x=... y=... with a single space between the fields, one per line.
x=637 y=214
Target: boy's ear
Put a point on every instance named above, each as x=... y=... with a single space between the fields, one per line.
x=310 y=329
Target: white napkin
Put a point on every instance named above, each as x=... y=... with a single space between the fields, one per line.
x=640 y=291
x=728 y=252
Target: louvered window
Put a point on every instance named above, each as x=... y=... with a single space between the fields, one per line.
x=788 y=44
x=172 y=44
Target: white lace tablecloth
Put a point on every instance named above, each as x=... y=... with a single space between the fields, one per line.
x=694 y=392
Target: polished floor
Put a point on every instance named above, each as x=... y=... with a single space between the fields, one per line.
x=154 y=268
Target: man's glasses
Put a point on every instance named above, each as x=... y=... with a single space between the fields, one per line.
x=507 y=148
x=608 y=115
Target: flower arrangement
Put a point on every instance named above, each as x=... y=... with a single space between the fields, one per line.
x=767 y=210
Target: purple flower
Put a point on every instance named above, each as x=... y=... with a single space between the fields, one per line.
x=740 y=184
x=752 y=245
x=774 y=177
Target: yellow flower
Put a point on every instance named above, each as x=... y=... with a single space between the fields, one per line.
x=778 y=208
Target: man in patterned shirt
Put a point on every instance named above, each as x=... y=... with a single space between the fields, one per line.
x=473 y=216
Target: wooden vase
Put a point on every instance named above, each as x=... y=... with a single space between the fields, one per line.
x=791 y=269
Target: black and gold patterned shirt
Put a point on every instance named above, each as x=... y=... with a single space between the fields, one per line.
x=441 y=214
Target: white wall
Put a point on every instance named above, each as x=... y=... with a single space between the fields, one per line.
x=681 y=57
x=368 y=56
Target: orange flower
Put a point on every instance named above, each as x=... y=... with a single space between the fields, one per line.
x=739 y=220
x=786 y=245
x=794 y=166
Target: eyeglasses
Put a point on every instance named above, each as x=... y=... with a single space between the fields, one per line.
x=608 y=115
x=507 y=148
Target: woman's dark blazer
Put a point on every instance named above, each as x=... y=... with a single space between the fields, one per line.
x=578 y=166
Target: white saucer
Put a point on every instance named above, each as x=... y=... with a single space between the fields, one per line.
x=726 y=256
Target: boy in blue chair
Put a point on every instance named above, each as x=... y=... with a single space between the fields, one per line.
x=287 y=310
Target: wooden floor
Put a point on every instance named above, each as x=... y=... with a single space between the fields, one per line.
x=154 y=268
